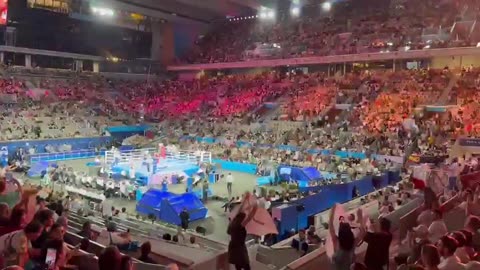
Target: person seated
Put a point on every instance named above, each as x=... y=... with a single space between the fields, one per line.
x=16 y=222
x=84 y=244
x=192 y=242
x=122 y=240
x=145 y=250
x=20 y=244
x=167 y=237
x=60 y=256
x=123 y=214
x=86 y=230
x=313 y=238
x=300 y=244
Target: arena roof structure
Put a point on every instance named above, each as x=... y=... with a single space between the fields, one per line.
x=204 y=11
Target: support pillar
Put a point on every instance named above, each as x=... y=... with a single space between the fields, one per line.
x=96 y=67
x=163 y=44
x=28 y=61
x=79 y=65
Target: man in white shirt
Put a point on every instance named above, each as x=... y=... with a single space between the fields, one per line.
x=447 y=247
x=106 y=208
x=229 y=180
x=123 y=214
x=438 y=228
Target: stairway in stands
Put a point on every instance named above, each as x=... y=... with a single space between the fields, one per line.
x=444 y=97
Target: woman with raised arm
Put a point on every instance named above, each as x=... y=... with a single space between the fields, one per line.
x=237 y=249
x=344 y=243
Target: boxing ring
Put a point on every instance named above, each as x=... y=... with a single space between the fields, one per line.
x=152 y=166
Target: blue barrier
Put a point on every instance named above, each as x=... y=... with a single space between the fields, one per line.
x=76 y=143
x=122 y=132
x=342 y=154
x=347 y=154
x=208 y=140
x=138 y=129
x=287 y=147
x=244 y=144
x=327 y=196
x=236 y=166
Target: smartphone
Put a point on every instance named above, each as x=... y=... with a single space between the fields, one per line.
x=51 y=258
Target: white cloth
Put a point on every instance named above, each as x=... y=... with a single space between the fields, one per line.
x=472 y=265
x=436 y=230
x=425 y=218
x=131 y=173
x=451 y=263
x=230 y=178
x=116 y=239
x=106 y=209
x=122 y=216
x=462 y=255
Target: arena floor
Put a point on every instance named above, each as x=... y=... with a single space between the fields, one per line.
x=217 y=221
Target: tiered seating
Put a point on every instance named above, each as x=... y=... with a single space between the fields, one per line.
x=373 y=28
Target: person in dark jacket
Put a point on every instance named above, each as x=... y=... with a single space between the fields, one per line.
x=237 y=250
x=184 y=218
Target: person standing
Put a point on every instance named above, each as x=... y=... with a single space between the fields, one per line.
x=229 y=180
x=377 y=254
x=447 y=246
x=237 y=250
x=184 y=218
x=205 y=191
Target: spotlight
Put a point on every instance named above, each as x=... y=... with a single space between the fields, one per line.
x=263 y=15
x=295 y=11
x=271 y=14
x=327 y=6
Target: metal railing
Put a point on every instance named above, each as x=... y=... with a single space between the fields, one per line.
x=140 y=154
x=79 y=154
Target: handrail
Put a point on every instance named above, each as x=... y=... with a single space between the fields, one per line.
x=76 y=154
x=332 y=59
x=55 y=139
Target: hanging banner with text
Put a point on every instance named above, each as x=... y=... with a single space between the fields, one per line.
x=469 y=142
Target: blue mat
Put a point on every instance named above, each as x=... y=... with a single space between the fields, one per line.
x=39 y=167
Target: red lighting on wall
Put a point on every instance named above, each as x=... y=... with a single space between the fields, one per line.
x=3 y=12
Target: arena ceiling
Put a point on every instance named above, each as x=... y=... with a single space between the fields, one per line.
x=197 y=10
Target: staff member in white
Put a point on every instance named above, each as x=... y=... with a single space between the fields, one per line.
x=229 y=183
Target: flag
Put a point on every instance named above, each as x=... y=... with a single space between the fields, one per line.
x=258 y=221
x=419 y=176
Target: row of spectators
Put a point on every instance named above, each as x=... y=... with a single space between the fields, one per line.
x=28 y=233
x=372 y=28
x=382 y=120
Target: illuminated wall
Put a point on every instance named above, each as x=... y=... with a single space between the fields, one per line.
x=3 y=12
